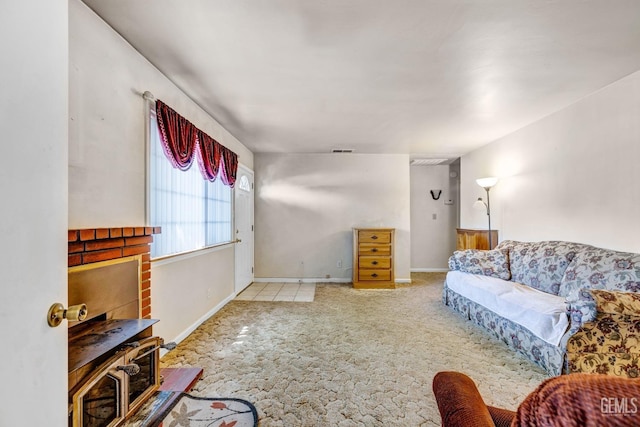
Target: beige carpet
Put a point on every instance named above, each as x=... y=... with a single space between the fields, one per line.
x=351 y=357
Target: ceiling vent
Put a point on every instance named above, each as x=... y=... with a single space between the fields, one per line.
x=427 y=162
x=342 y=150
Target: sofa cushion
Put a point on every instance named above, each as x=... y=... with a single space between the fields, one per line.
x=541 y=313
x=615 y=302
x=540 y=265
x=597 y=268
x=494 y=263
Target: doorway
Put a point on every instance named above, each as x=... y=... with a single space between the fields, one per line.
x=243 y=222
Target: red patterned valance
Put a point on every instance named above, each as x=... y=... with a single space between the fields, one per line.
x=229 y=166
x=181 y=140
x=178 y=136
x=209 y=158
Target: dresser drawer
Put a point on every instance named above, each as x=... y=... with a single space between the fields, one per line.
x=374 y=236
x=374 y=249
x=366 y=275
x=375 y=262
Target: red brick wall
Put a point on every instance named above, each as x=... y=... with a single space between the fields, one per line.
x=102 y=244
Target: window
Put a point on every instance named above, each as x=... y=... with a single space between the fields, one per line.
x=194 y=213
x=243 y=183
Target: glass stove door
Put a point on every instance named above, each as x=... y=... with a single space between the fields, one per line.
x=147 y=380
x=98 y=403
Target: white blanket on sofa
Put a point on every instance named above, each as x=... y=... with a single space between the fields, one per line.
x=541 y=313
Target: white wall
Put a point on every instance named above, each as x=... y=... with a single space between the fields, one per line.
x=107 y=161
x=33 y=216
x=107 y=123
x=571 y=176
x=433 y=240
x=307 y=205
x=171 y=280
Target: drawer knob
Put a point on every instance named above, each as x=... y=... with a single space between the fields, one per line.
x=374 y=237
x=374 y=275
x=375 y=263
x=374 y=250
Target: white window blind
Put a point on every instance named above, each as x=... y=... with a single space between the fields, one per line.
x=193 y=212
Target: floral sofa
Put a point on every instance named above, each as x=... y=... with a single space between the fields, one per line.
x=569 y=307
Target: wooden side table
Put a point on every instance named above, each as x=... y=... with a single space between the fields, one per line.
x=475 y=239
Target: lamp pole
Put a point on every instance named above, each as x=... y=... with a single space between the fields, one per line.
x=489 y=216
x=487 y=183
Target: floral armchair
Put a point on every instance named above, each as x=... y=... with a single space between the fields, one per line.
x=609 y=344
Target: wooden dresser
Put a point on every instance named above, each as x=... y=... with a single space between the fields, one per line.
x=373 y=258
x=475 y=239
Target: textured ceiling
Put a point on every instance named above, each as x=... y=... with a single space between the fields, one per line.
x=425 y=77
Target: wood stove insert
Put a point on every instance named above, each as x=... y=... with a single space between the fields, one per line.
x=118 y=362
x=113 y=355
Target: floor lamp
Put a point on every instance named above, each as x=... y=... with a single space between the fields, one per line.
x=486 y=183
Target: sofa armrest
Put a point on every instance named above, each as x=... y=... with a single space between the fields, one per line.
x=459 y=401
x=580 y=309
x=494 y=263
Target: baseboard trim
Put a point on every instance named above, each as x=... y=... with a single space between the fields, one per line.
x=184 y=334
x=301 y=280
x=429 y=270
x=403 y=280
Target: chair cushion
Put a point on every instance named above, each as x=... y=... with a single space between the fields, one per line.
x=608 y=345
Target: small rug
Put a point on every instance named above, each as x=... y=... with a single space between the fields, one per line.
x=195 y=411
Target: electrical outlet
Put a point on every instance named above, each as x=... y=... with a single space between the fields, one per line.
x=434 y=216
x=339 y=263
x=209 y=293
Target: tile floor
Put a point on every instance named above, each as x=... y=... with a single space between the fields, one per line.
x=278 y=291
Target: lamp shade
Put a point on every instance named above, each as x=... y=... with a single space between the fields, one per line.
x=487 y=183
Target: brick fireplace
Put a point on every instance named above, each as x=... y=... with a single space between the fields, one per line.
x=113 y=355
x=92 y=245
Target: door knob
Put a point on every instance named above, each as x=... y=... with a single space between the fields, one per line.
x=57 y=312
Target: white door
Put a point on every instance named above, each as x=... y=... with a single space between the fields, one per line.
x=244 y=228
x=33 y=216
